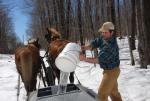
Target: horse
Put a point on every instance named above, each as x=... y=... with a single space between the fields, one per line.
x=27 y=60
x=56 y=45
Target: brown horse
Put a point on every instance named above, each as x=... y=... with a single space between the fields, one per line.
x=27 y=61
x=56 y=45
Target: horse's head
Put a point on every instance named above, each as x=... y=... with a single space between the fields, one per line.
x=52 y=35
x=35 y=42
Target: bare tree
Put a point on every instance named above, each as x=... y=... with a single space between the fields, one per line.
x=7 y=36
x=146 y=37
x=79 y=20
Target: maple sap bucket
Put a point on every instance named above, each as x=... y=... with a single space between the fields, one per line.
x=67 y=60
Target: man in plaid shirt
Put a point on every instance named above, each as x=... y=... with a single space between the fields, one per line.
x=108 y=59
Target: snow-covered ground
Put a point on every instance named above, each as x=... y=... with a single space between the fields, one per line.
x=134 y=83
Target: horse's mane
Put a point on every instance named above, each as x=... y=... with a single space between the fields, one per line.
x=52 y=35
x=34 y=41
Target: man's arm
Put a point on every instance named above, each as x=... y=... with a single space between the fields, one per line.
x=89 y=60
x=87 y=47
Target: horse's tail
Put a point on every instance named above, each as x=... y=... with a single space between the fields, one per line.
x=26 y=68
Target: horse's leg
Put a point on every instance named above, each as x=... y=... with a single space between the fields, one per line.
x=26 y=68
x=34 y=80
x=57 y=71
x=51 y=76
x=71 y=77
x=18 y=89
x=27 y=98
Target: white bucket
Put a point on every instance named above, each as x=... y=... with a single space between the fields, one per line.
x=68 y=58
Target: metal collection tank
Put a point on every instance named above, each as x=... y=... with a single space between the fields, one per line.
x=73 y=93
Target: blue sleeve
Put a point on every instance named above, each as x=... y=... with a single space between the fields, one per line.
x=96 y=43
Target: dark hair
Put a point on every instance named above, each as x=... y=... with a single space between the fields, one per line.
x=114 y=32
x=111 y=30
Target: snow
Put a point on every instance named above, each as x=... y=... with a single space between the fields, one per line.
x=134 y=83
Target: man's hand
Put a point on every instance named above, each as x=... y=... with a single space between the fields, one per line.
x=89 y=60
x=82 y=57
x=86 y=47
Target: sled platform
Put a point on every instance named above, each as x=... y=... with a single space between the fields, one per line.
x=72 y=93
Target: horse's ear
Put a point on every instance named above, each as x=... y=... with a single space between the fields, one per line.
x=37 y=43
x=33 y=40
x=37 y=39
x=48 y=30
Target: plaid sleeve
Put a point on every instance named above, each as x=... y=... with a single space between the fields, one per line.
x=96 y=43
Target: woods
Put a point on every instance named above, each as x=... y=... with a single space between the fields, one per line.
x=8 y=39
x=79 y=21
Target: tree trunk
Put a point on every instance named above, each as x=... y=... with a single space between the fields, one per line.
x=127 y=30
x=133 y=29
x=119 y=20
x=140 y=34
x=146 y=16
x=61 y=13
